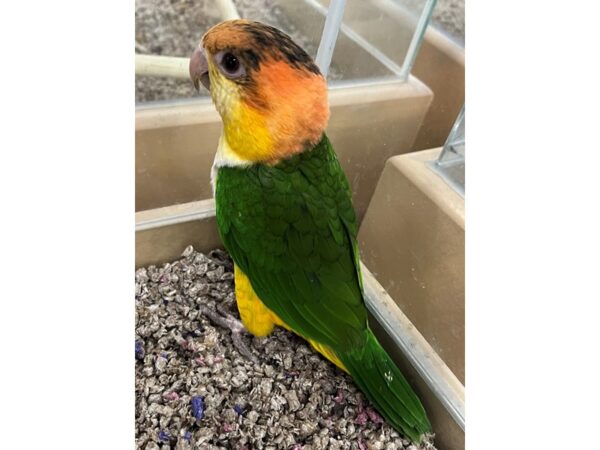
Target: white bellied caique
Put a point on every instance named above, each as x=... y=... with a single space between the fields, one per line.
x=284 y=209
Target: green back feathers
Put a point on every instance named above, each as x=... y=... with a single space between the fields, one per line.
x=291 y=229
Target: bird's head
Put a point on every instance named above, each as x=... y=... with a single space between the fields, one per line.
x=270 y=94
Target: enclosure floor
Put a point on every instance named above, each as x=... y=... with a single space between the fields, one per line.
x=291 y=399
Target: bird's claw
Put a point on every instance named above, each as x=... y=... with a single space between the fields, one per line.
x=235 y=326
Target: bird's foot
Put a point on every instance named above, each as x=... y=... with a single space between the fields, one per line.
x=235 y=326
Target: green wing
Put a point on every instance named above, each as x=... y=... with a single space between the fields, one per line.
x=292 y=229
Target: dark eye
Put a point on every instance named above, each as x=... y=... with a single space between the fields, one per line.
x=230 y=65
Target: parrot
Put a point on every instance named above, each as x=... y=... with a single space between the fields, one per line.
x=284 y=210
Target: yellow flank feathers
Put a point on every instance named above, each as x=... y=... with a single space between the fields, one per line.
x=260 y=320
x=257 y=318
x=327 y=353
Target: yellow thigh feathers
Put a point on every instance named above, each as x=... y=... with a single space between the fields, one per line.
x=260 y=320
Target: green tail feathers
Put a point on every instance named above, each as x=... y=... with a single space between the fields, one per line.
x=385 y=386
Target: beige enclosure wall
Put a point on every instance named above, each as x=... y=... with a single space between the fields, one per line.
x=175 y=144
x=412 y=239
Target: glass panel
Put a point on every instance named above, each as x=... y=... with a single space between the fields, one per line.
x=451 y=163
x=388 y=30
x=454 y=148
x=377 y=41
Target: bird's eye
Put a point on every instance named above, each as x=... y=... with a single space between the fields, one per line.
x=230 y=65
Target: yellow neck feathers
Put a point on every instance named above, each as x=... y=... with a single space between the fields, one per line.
x=247 y=133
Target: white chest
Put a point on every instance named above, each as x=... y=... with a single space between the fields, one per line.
x=225 y=157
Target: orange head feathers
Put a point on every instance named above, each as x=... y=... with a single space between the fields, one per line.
x=269 y=92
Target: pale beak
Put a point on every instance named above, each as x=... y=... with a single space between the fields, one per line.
x=199 y=69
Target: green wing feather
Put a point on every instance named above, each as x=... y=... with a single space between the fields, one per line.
x=292 y=229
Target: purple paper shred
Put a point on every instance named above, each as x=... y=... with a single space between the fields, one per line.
x=361 y=418
x=373 y=415
x=339 y=398
x=139 y=350
x=171 y=396
x=187 y=435
x=164 y=436
x=198 y=407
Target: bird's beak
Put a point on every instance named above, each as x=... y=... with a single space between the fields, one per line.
x=199 y=69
